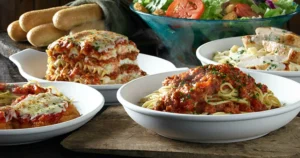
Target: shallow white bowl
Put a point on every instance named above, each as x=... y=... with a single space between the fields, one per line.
x=206 y=51
x=87 y=100
x=32 y=65
x=211 y=128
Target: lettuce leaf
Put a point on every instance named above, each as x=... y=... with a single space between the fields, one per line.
x=143 y=2
x=259 y=8
x=158 y=4
x=213 y=9
x=288 y=6
x=282 y=7
x=250 y=2
x=273 y=12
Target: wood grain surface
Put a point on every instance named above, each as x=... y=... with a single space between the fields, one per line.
x=114 y=132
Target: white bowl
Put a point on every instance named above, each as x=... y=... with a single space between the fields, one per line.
x=87 y=100
x=32 y=65
x=206 y=51
x=211 y=128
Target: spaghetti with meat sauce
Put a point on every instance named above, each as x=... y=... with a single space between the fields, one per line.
x=211 y=89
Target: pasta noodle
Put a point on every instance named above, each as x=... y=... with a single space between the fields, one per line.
x=271 y=50
x=204 y=90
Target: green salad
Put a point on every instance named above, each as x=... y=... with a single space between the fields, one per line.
x=217 y=9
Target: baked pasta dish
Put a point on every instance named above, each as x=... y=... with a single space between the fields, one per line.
x=270 y=49
x=31 y=106
x=93 y=57
x=211 y=90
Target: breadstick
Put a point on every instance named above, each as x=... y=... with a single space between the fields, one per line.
x=34 y=18
x=97 y=25
x=43 y=35
x=68 y=18
x=15 y=32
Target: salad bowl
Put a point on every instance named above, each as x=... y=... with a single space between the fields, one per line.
x=183 y=36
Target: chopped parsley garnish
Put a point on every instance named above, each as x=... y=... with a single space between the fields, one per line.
x=223 y=75
x=259 y=85
x=241 y=52
x=188 y=96
x=96 y=47
x=272 y=66
x=182 y=83
x=214 y=71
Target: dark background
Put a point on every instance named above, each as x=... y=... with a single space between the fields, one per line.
x=10 y=10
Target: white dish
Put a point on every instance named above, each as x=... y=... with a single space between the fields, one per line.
x=87 y=100
x=206 y=51
x=211 y=128
x=32 y=65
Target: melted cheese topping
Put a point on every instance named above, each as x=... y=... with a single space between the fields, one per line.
x=41 y=104
x=270 y=49
x=100 y=40
x=251 y=58
x=128 y=61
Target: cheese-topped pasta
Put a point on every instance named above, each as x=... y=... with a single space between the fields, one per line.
x=41 y=104
x=269 y=49
x=33 y=106
x=93 y=57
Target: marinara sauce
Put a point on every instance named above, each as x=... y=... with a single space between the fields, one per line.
x=189 y=90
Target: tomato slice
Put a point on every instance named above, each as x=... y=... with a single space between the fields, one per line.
x=244 y=10
x=2 y=86
x=191 y=9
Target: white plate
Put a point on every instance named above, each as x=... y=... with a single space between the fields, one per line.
x=211 y=128
x=87 y=100
x=206 y=51
x=32 y=65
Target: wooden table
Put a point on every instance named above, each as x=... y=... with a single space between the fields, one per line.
x=111 y=132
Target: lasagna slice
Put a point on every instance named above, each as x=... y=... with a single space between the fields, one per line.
x=93 y=57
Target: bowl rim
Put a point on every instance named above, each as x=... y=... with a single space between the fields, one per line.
x=200 y=52
x=208 y=118
x=204 y=20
